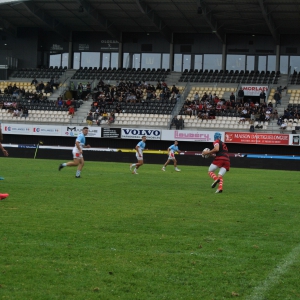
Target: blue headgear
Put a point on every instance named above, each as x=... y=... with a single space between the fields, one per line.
x=217 y=136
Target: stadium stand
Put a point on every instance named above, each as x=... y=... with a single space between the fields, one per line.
x=231 y=76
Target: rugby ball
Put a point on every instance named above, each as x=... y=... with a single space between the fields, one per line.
x=207 y=155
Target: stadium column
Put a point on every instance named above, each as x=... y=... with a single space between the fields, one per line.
x=171 y=63
x=223 y=57
x=70 y=58
x=277 y=57
x=120 y=57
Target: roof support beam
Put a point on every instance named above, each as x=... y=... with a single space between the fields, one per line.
x=155 y=19
x=7 y=27
x=101 y=20
x=211 y=21
x=269 y=20
x=49 y=21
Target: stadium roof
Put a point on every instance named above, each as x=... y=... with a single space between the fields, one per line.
x=267 y=17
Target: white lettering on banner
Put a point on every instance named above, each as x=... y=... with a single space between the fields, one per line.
x=254 y=90
x=130 y=133
x=262 y=136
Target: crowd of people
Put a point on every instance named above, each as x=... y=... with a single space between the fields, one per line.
x=105 y=95
x=208 y=106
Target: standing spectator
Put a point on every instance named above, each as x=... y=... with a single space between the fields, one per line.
x=34 y=81
x=221 y=161
x=241 y=95
x=262 y=96
x=277 y=98
x=232 y=97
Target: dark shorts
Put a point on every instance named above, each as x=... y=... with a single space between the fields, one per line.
x=222 y=163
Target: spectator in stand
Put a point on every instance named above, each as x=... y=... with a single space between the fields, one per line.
x=68 y=103
x=174 y=122
x=277 y=98
x=232 y=97
x=262 y=96
x=60 y=102
x=158 y=85
x=88 y=87
x=180 y=123
x=71 y=111
x=40 y=87
x=16 y=113
x=25 y=112
x=241 y=95
x=111 y=118
x=89 y=119
x=34 y=82
x=196 y=97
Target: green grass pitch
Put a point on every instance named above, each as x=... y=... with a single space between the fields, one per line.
x=156 y=235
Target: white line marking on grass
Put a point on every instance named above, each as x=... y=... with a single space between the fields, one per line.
x=260 y=290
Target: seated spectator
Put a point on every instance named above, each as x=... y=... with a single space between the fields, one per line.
x=71 y=111
x=60 y=102
x=283 y=126
x=24 y=113
x=174 y=122
x=104 y=116
x=16 y=112
x=180 y=123
x=68 y=103
x=111 y=118
x=89 y=119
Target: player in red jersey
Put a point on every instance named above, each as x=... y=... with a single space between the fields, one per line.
x=221 y=161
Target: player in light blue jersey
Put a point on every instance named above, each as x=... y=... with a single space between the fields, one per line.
x=77 y=153
x=140 y=147
x=171 y=156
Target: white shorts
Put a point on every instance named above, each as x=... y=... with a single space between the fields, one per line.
x=171 y=156
x=138 y=157
x=76 y=153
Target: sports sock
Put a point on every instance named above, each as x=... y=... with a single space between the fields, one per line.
x=221 y=182
x=212 y=175
x=64 y=164
x=78 y=173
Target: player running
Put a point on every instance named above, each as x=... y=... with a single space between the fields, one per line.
x=140 y=147
x=221 y=161
x=172 y=149
x=77 y=153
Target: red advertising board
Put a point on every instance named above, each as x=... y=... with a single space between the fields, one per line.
x=256 y=138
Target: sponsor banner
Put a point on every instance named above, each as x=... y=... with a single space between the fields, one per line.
x=254 y=90
x=257 y=138
x=16 y=128
x=189 y=136
x=73 y=131
x=46 y=130
x=294 y=139
x=133 y=133
x=113 y=133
